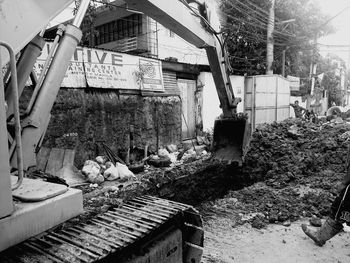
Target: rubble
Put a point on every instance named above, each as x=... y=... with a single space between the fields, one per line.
x=293 y=168
x=290 y=171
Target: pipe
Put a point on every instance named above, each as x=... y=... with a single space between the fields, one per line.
x=59 y=34
x=84 y=4
x=24 y=68
x=40 y=112
x=18 y=138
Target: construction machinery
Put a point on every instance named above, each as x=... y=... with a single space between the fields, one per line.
x=145 y=229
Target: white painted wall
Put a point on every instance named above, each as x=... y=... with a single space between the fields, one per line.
x=171 y=45
x=211 y=103
x=211 y=109
x=237 y=83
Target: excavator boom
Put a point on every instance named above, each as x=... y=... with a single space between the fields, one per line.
x=202 y=29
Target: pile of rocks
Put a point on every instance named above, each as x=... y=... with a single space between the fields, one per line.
x=101 y=169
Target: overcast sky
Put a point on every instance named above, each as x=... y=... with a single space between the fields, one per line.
x=341 y=23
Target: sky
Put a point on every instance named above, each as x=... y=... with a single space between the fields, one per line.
x=342 y=25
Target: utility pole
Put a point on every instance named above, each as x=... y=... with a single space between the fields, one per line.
x=284 y=63
x=270 y=41
x=313 y=66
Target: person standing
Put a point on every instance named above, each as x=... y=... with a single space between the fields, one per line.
x=298 y=110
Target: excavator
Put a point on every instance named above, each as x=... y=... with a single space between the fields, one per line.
x=32 y=212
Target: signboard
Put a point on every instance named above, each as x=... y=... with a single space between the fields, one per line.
x=96 y=68
x=294 y=83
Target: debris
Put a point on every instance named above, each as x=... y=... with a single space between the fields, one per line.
x=156 y=161
x=286 y=223
x=112 y=156
x=111 y=173
x=91 y=170
x=124 y=172
x=71 y=175
x=101 y=159
x=171 y=148
x=258 y=222
x=315 y=222
x=137 y=167
x=163 y=153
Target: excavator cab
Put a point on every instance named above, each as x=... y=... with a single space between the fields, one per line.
x=230 y=139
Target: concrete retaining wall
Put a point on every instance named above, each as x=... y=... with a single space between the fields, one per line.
x=81 y=119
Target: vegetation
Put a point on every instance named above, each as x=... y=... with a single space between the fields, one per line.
x=298 y=23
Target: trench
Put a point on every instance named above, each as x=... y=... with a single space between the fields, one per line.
x=210 y=181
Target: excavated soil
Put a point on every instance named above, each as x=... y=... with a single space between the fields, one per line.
x=290 y=174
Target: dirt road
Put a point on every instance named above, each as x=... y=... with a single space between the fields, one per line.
x=275 y=244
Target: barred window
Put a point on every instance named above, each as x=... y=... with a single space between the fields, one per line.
x=130 y=26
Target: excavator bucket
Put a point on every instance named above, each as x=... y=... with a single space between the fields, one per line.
x=230 y=140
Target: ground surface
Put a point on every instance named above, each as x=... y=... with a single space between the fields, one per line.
x=275 y=244
x=253 y=214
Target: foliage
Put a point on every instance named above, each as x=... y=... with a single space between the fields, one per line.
x=88 y=23
x=331 y=66
x=246 y=27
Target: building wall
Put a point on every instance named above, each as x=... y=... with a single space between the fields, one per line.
x=82 y=119
x=211 y=109
x=211 y=104
x=171 y=45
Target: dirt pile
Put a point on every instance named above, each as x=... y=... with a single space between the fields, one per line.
x=298 y=165
x=295 y=151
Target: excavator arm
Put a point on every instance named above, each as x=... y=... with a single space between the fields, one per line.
x=187 y=22
x=171 y=232
x=200 y=26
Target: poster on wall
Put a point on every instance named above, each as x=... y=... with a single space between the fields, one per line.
x=151 y=71
x=96 y=68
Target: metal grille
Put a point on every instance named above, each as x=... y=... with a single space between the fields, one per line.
x=108 y=234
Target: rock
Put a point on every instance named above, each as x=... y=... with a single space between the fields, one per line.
x=124 y=172
x=315 y=222
x=163 y=153
x=99 y=179
x=258 y=223
x=101 y=159
x=96 y=179
x=282 y=218
x=91 y=170
x=293 y=132
x=172 y=157
x=111 y=173
x=109 y=164
x=273 y=218
x=189 y=156
x=111 y=188
x=171 y=148
x=159 y=162
x=286 y=223
x=137 y=168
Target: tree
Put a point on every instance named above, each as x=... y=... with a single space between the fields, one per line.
x=245 y=33
x=332 y=66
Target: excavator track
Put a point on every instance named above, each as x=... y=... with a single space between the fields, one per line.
x=144 y=229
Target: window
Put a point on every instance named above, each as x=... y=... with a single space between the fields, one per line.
x=130 y=26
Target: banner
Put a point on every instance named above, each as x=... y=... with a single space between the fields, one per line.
x=96 y=68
